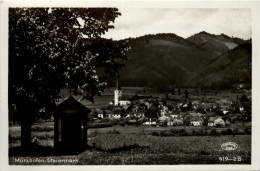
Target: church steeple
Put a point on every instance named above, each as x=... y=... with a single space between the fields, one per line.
x=117 y=84
x=117 y=94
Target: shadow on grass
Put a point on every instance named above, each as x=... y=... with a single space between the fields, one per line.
x=119 y=149
x=37 y=150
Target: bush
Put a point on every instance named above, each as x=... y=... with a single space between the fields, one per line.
x=235 y=131
x=174 y=131
x=114 y=131
x=93 y=134
x=229 y=131
x=15 y=136
x=43 y=136
x=199 y=132
x=241 y=131
x=100 y=125
x=183 y=132
x=203 y=152
x=247 y=130
x=155 y=133
x=213 y=132
x=165 y=134
x=42 y=128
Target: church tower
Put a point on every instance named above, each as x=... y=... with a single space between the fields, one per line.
x=117 y=94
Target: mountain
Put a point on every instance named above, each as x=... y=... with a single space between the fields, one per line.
x=215 y=44
x=227 y=70
x=172 y=60
x=161 y=59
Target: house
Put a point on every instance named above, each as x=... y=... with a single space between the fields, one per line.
x=116 y=115
x=206 y=106
x=195 y=105
x=100 y=115
x=132 y=121
x=124 y=102
x=227 y=123
x=170 y=123
x=241 y=108
x=225 y=112
x=219 y=122
x=147 y=104
x=211 y=121
x=179 y=105
x=173 y=116
x=140 y=112
x=150 y=121
x=164 y=118
x=139 y=115
x=196 y=121
x=178 y=121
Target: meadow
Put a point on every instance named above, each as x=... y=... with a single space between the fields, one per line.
x=138 y=146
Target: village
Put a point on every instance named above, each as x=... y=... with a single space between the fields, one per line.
x=174 y=110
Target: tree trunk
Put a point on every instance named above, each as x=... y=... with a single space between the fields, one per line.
x=26 y=125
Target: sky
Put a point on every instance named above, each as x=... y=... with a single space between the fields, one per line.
x=184 y=22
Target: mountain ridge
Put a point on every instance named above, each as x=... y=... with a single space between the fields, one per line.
x=169 y=59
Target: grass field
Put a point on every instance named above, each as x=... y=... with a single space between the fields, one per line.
x=134 y=145
x=145 y=149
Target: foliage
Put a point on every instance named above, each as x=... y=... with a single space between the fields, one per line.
x=100 y=125
x=152 y=113
x=50 y=49
x=186 y=93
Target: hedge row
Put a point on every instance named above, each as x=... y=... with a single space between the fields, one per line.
x=202 y=132
x=100 y=125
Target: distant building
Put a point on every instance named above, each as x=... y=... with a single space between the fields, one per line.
x=225 y=112
x=211 y=121
x=196 y=121
x=118 y=101
x=150 y=121
x=173 y=116
x=219 y=122
x=164 y=118
x=100 y=115
x=132 y=121
x=175 y=122
x=114 y=116
x=214 y=121
x=206 y=106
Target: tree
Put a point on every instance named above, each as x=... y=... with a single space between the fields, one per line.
x=95 y=114
x=123 y=113
x=54 y=48
x=179 y=91
x=104 y=114
x=172 y=90
x=186 y=94
x=186 y=120
x=152 y=113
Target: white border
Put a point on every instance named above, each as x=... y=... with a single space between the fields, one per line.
x=254 y=5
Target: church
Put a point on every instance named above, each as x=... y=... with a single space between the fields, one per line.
x=118 y=99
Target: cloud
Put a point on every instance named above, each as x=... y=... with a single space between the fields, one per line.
x=184 y=22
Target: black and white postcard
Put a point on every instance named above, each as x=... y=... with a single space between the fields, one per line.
x=125 y=85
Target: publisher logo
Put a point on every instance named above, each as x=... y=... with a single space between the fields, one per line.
x=229 y=146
